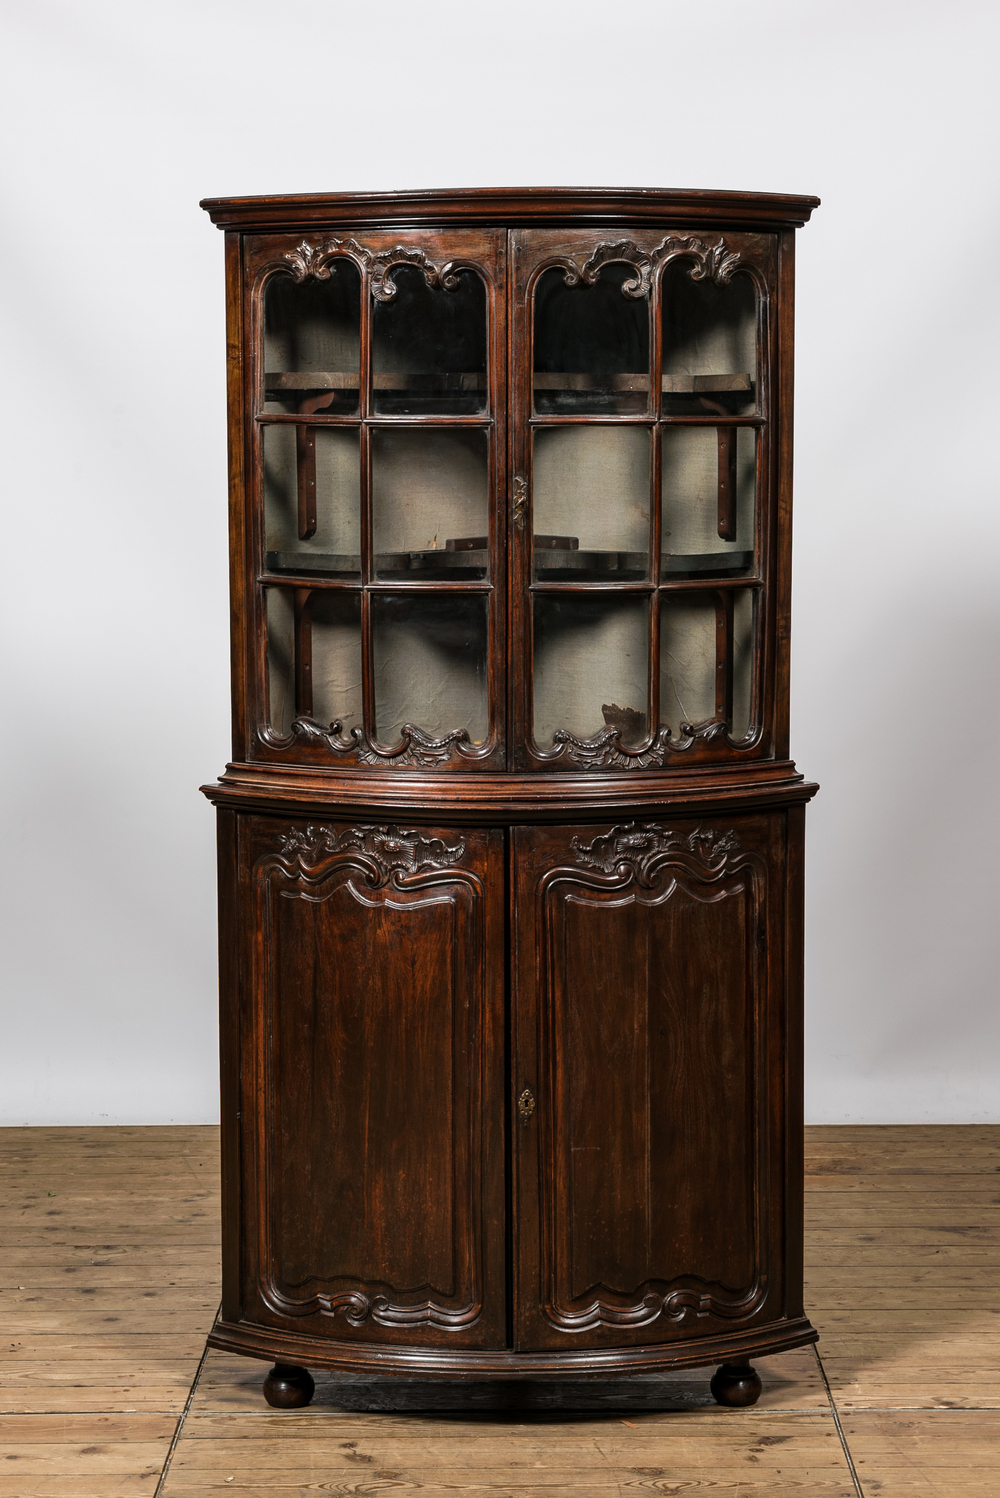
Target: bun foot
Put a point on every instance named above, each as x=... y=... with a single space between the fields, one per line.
x=288 y=1388
x=736 y=1385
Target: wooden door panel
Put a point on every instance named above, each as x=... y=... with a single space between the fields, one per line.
x=642 y=1025
x=378 y=1141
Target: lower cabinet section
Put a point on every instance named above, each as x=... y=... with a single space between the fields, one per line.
x=511 y=1099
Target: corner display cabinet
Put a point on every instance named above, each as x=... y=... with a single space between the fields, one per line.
x=511 y=849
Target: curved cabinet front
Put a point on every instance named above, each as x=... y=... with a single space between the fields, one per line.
x=648 y=1012
x=591 y=1166
x=373 y=1074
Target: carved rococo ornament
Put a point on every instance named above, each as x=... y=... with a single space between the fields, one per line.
x=357 y=1307
x=638 y=847
x=384 y=287
x=674 y=1304
x=391 y=850
x=605 y=751
x=714 y=262
x=417 y=749
x=316 y=260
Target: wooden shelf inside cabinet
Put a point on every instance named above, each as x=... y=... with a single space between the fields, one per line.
x=673 y=384
x=511 y=851
x=551 y=563
x=305 y=379
x=419 y=380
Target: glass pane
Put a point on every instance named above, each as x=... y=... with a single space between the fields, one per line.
x=687 y=661
x=313 y=657
x=430 y=664
x=336 y=658
x=429 y=346
x=590 y=488
x=591 y=667
x=743 y=616
x=591 y=345
x=312 y=342
x=312 y=511
x=430 y=492
x=709 y=343
x=709 y=480
x=706 y=660
x=280 y=615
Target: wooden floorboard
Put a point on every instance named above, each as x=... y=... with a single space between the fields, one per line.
x=109 y=1264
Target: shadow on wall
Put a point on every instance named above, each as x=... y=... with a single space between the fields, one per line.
x=901 y=983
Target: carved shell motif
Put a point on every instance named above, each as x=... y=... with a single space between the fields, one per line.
x=393 y=851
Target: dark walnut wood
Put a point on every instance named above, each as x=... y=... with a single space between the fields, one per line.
x=511 y=1030
x=737 y=1385
x=288 y=1388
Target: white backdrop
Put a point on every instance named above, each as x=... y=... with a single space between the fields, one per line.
x=120 y=116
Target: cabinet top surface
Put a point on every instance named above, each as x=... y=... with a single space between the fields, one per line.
x=528 y=205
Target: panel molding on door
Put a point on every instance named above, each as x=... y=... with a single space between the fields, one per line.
x=642 y=1026
x=374 y=948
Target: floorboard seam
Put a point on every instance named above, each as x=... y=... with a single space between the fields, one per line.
x=184 y=1414
x=836 y=1420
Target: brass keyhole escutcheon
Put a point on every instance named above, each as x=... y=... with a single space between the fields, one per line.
x=519 y=501
x=526 y=1104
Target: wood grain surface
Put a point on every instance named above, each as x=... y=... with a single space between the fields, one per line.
x=109 y=1283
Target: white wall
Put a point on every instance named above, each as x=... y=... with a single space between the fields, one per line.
x=120 y=116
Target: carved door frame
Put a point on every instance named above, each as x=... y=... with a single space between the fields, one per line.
x=647 y=863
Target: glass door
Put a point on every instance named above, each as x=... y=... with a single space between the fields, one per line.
x=640 y=539
x=377 y=453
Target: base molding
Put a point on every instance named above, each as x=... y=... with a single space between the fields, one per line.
x=437 y=1362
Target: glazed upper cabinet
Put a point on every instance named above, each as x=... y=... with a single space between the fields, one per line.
x=608 y=488
x=378 y=454
x=640 y=442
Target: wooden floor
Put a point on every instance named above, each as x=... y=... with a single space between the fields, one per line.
x=107 y=1232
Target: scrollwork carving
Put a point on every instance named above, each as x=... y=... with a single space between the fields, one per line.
x=636 y=848
x=358 y=1307
x=714 y=262
x=417 y=748
x=673 y=1303
x=316 y=260
x=625 y=250
x=391 y=850
x=605 y=751
x=384 y=287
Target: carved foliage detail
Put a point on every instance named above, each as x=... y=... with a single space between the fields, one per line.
x=605 y=751
x=393 y=852
x=637 y=848
x=625 y=250
x=384 y=287
x=714 y=262
x=417 y=748
x=315 y=260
